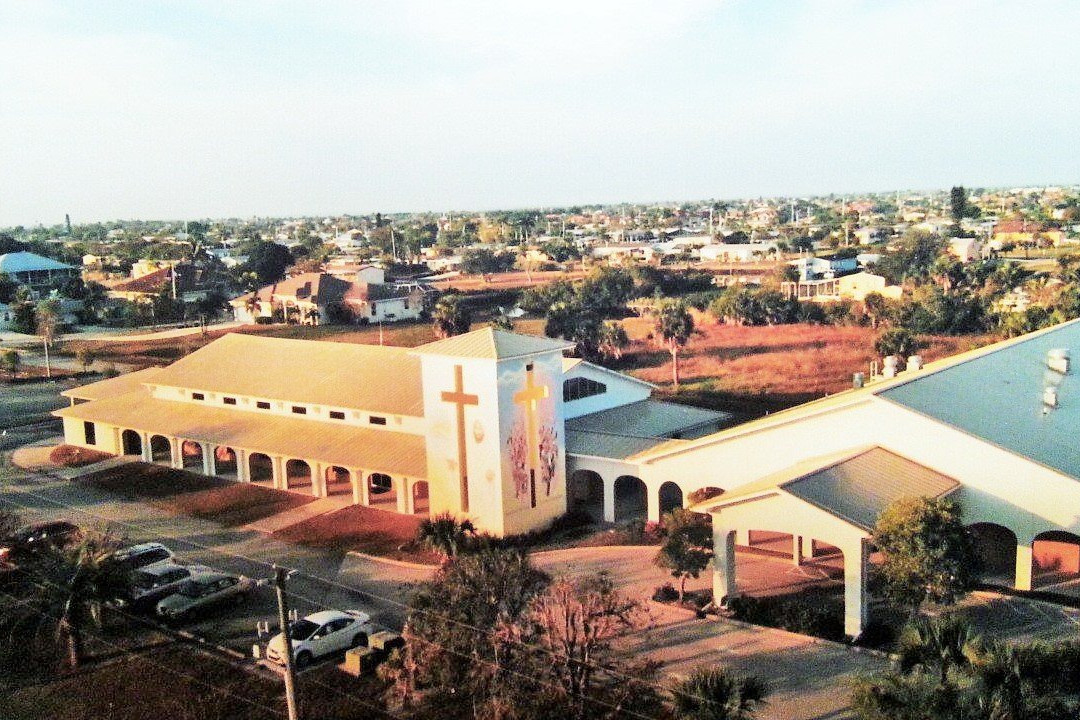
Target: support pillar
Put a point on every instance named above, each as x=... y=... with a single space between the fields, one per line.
x=177 y=450
x=356 y=478
x=365 y=487
x=797 y=549
x=609 y=500
x=277 y=466
x=144 y=442
x=318 y=479
x=723 y=564
x=807 y=548
x=1023 y=566
x=401 y=486
x=652 y=503
x=856 y=561
x=410 y=504
x=242 y=474
x=742 y=537
x=208 y=460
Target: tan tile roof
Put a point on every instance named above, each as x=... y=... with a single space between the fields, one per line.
x=366 y=377
x=324 y=441
x=111 y=387
x=489 y=343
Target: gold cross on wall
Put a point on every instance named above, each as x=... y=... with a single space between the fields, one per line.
x=460 y=398
x=529 y=397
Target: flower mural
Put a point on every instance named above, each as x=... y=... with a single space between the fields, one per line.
x=518 y=446
x=549 y=456
x=548 y=452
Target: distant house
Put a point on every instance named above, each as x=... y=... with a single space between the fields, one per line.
x=1015 y=232
x=737 y=252
x=322 y=298
x=148 y=282
x=815 y=268
x=846 y=287
x=27 y=268
x=967 y=249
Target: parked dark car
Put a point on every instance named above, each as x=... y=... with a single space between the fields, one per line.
x=150 y=584
x=54 y=533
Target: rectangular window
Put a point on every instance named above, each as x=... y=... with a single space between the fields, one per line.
x=229 y=401
x=262 y=404
x=377 y=420
x=337 y=415
x=198 y=396
x=299 y=410
x=89 y=433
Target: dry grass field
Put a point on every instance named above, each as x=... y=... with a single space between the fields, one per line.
x=364 y=529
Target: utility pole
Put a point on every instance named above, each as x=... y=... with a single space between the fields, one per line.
x=280 y=575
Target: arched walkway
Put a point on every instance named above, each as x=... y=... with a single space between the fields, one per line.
x=260 y=468
x=338 y=481
x=382 y=490
x=160 y=449
x=131 y=442
x=1055 y=557
x=192 y=455
x=631 y=498
x=671 y=497
x=995 y=546
x=297 y=474
x=420 y=497
x=225 y=463
x=585 y=493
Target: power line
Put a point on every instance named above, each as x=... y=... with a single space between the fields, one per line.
x=334 y=583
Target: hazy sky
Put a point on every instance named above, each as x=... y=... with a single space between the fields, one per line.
x=209 y=109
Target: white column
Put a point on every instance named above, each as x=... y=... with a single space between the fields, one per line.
x=147 y=453
x=797 y=549
x=742 y=537
x=410 y=506
x=401 y=487
x=1023 y=566
x=652 y=503
x=208 y=460
x=356 y=477
x=241 y=466
x=609 y=499
x=723 y=563
x=176 y=447
x=277 y=472
x=856 y=559
x=807 y=548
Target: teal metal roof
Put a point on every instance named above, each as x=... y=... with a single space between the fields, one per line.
x=606 y=445
x=998 y=396
x=651 y=419
x=28 y=262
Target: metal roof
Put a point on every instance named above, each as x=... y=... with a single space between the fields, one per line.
x=23 y=261
x=366 y=377
x=491 y=344
x=854 y=486
x=651 y=419
x=607 y=445
x=331 y=442
x=998 y=396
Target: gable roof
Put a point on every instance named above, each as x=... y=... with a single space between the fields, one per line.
x=111 y=387
x=647 y=418
x=576 y=362
x=491 y=344
x=368 y=377
x=997 y=396
x=854 y=486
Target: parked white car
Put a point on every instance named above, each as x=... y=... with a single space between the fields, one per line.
x=320 y=634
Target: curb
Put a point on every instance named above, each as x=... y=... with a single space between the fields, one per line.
x=691 y=615
x=540 y=554
x=397 y=563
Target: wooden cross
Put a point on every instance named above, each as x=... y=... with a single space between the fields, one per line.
x=529 y=397
x=460 y=398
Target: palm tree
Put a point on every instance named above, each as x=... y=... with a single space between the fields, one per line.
x=47 y=318
x=451 y=317
x=940 y=643
x=713 y=694
x=65 y=592
x=674 y=325
x=445 y=534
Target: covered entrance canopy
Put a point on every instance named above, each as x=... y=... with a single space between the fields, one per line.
x=834 y=499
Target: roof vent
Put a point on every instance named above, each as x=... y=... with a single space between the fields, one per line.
x=914 y=363
x=889 y=365
x=1058 y=360
x=1050 y=397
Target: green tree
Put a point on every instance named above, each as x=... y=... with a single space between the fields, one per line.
x=896 y=341
x=47 y=323
x=10 y=361
x=267 y=260
x=502 y=321
x=445 y=534
x=958 y=203
x=937 y=645
x=687 y=548
x=85 y=357
x=711 y=693
x=451 y=316
x=927 y=552
x=612 y=340
x=675 y=326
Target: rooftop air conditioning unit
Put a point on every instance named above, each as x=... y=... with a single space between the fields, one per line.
x=1050 y=397
x=889 y=366
x=1058 y=360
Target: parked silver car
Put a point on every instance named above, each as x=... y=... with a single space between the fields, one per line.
x=202 y=591
x=152 y=583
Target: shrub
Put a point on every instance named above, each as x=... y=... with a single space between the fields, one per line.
x=665 y=593
x=814 y=611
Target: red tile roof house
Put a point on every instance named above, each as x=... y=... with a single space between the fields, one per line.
x=321 y=298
